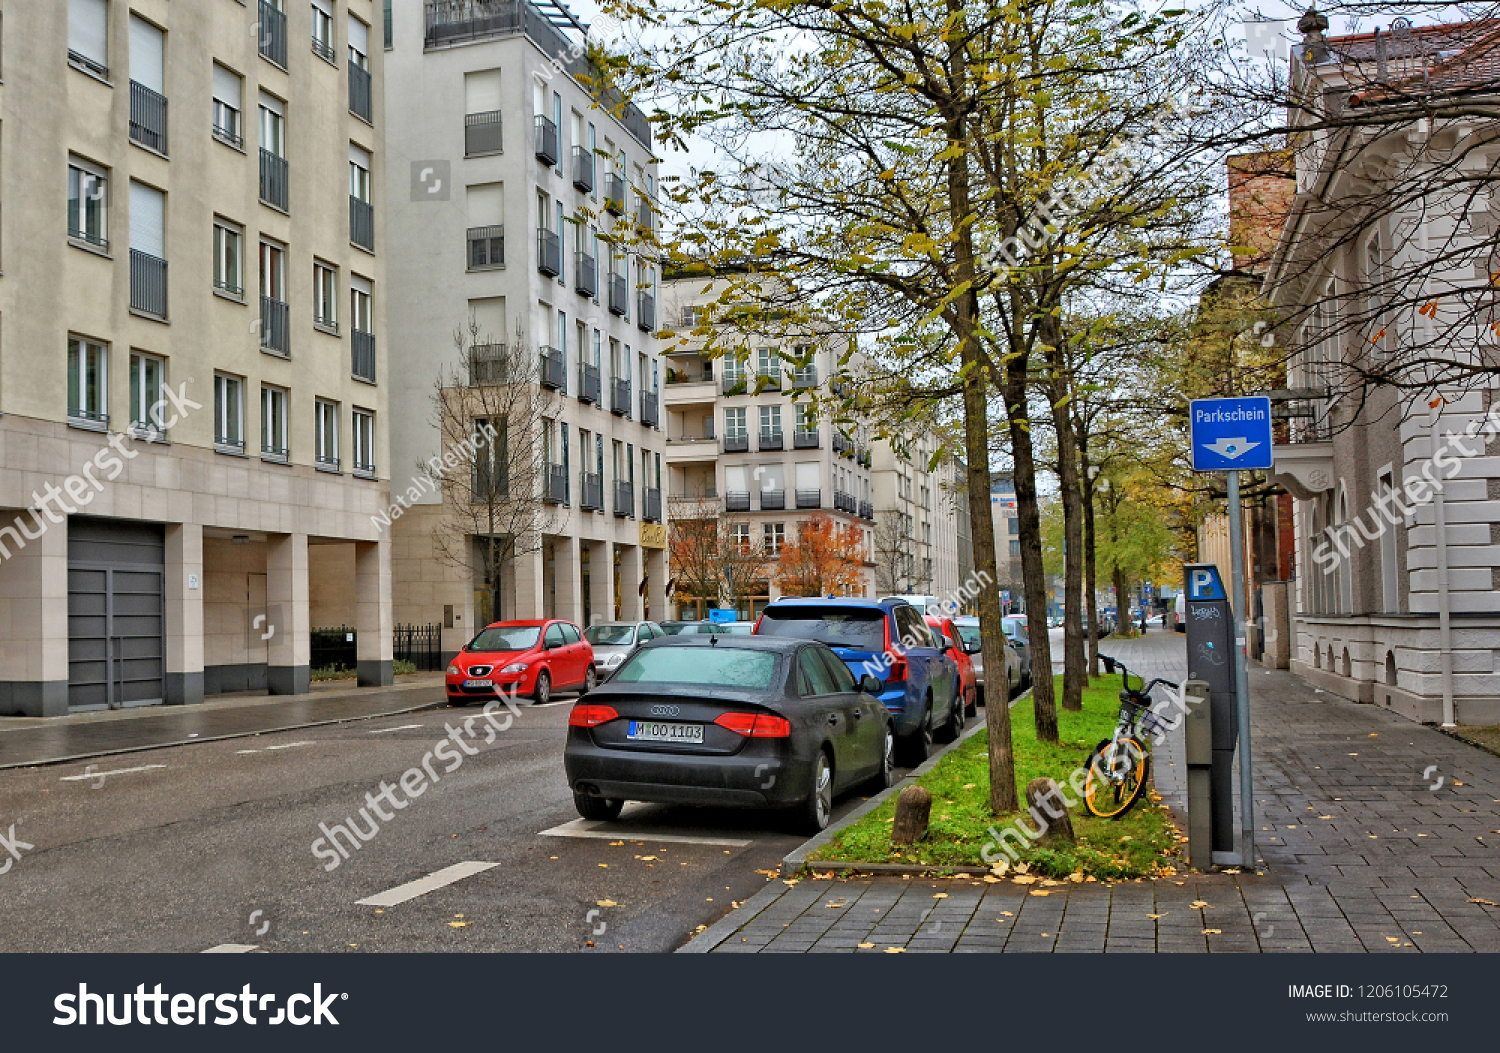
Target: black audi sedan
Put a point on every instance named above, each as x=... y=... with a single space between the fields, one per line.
x=742 y=721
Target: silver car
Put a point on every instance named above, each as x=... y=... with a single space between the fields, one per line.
x=968 y=631
x=614 y=642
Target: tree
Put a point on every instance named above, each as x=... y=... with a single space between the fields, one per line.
x=898 y=572
x=823 y=559
x=713 y=554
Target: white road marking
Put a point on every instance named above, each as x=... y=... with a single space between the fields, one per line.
x=284 y=746
x=102 y=774
x=403 y=727
x=615 y=832
x=422 y=886
x=232 y=948
x=549 y=705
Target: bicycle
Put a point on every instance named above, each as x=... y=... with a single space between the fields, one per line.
x=1119 y=766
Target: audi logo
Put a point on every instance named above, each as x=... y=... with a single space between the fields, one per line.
x=665 y=711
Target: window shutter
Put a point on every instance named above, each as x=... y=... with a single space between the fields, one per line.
x=482 y=92
x=359 y=36
x=88 y=29
x=227 y=87
x=148 y=218
x=486 y=205
x=148 y=47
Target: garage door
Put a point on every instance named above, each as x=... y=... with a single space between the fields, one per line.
x=116 y=622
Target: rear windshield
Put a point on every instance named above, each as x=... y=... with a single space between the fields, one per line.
x=684 y=628
x=606 y=635
x=859 y=630
x=507 y=638
x=704 y=666
x=737 y=628
x=969 y=634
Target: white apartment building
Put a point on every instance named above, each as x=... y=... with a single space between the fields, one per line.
x=736 y=437
x=918 y=521
x=192 y=374
x=526 y=211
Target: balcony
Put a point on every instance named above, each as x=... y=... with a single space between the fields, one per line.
x=148 y=118
x=486 y=247
x=148 y=284
x=643 y=214
x=770 y=439
x=487 y=365
x=737 y=443
x=734 y=384
x=809 y=498
x=619 y=402
x=841 y=445
x=614 y=193
x=583 y=169
x=768 y=380
x=275 y=326
x=867 y=458
x=361 y=100
x=545 y=145
x=619 y=295
x=272 y=34
x=624 y=498
x=650 y=409
x=772 y=500
x=806 y=377
x=555 y=485
x=645 y=311
x=273 y=180
x=362 y=346
x=707 y=436
x=843 y=502
x=585 y=275
x=866 y=510
x=483 y=134
x=703 y=374
x=805 y=439
x=736 y=502
x=588 y=384
x=651 y=505
x=553 y=371
x=590 y=492
x=548 y=253
x=362 y=223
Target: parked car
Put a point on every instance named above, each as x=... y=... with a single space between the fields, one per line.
x=687 y=628
x=529 y=657
x=1016 y=632
x=745 y=721
x=613 y=642
x=955 y=648
x=1015 y=671
x=737 y=628
x=889 y=640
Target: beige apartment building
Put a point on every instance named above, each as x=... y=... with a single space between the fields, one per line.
x=922 y=539
x=192 y=375
x=525 y=216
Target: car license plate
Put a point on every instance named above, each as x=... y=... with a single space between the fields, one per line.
x=654 y=731
x=479 y=683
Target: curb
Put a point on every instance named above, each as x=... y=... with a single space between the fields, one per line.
x=896 y=868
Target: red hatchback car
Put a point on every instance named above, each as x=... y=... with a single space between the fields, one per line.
x=953 y=647
x=531 y=658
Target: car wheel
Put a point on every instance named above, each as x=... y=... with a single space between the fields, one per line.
x=886 y=776
x=590 y=680
x=818 y=808
x=543 y=692
x=603 y=809
x=954 y=725
x=971 y=705
x=918 y=745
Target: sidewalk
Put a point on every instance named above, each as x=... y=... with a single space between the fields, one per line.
x=1376 y=835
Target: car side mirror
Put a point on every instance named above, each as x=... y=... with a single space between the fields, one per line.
x=1109 y=663
x=870 y=684
x=973 y=648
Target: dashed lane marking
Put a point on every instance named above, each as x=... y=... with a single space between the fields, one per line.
x=422 y=886
x=117 y=771
x=403 y=727
x=614 y=831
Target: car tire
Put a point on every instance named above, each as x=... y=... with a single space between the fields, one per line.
x=917 y=746
x=979 y=697
x=971 y=703
x=885 y=777
x=953 y=727
x=542 y=693
x=600 y=809
x=590 y=681
x=817 y=810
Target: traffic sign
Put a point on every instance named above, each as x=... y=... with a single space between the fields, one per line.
x=1204 y=583
x=1230 y=435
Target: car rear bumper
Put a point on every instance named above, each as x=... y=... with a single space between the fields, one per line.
x=756 y=777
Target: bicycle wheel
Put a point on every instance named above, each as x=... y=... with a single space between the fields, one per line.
x=1116 y=777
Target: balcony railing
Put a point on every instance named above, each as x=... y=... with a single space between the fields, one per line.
x=619 y=402
x=707 y=436
x=624 y=498
x=614 y=193
x=329 y=461
x=361 y=100
x=548 y=253
x=736 y=502
x=841 y=445
x=275 y=325
x=650 y=409
x=362 y=346
x=588 y=384
x=772 y=500
x=487 y=365
x=83 y=62
x=651 y=505
x=553 y=372
x=643 y=214
x=546 y=140
x=585 y=275
x=94 y=239
x=809 y=498
x=583 y=169
x=768 y=379
x=844 y=502
x=866 y=510
x=590 y=492
x=805 y=378
x=703 y=374
x=619 y=295
x=734 y=384
x=272 y=34
x=486 y=247
x=362 y=223
x=737 y=443
x=555 y=485
x=805 y=439
x=148 y=284
x=483 y=134
x=324 y=49
x=274 y=180
x=148 y=118
x=770 y=439
x=645 y=311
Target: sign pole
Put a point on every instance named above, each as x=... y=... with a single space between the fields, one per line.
x=1240 y=610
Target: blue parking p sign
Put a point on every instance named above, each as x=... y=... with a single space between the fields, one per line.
x=1230 y=435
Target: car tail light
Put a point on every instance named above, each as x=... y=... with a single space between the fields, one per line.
x=897 y=673
x=755 y=725
x=587 y=716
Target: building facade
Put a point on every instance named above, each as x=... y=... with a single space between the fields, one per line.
x=192 y=367
x=921 y=519
x=526 y=216
x=1007 y=526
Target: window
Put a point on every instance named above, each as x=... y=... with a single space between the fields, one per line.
x=148 y=376
x=1013 y=525
x=770 y=420
x=274 y=185
x=361 y=102
x=228 y=242
x=272 y=126
x=228 y=89
x=229 y=413
x=322 y=31
x=326 y=424
x=325 y=296
x=364 y=443
x=813 y=677
x=148 y=104
x=734 y=369
x=361 y=309
x=148 y=241
x=734 y=423
x=807 y=417
x=1015 y=549
x=88 y=204
x=739 y=538
x=359 y=173
x=88 y=35
x=774 y=537
x=88 y=381
x=273 y=424
x=272 y=271
x=491 y=477
x=483 y=99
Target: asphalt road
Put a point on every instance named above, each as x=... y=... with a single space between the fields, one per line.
x=195 y=847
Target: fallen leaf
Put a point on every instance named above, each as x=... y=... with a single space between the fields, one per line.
x=991 y=879
x=1485 y=902
x=790 y=881
x=1156 y=915
x=612 y=844
x=865 y=946
x=895 y=950
x=1325 y=817
x=1007 y=913
x=451 y=925
x=1024 y=879
x=1391 y=939
x=1197 y=904
x=645 y=859
x=940 y=895
x=1040 y=892
x=605 y=903
x=970 y=785
x=833 y=906
x=604 y=865
x=1213 y=932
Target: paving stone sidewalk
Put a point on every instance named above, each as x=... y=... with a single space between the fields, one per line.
x=1375 y=834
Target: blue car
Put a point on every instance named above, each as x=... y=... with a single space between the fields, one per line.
x=890 y=640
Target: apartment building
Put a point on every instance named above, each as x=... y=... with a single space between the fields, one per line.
x=919 y=530
x=740 y=444
x=192 y=375
x=1006 y=522
x=526 y=216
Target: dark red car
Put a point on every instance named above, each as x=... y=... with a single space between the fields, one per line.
x=532 y=658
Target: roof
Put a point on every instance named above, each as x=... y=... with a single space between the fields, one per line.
x=1455 y=58
x=835 y=601
x=720 y=641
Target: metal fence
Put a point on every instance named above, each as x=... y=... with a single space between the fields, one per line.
x=148 y=284
x=334 y=648
x=421 y=645
x=148 y=118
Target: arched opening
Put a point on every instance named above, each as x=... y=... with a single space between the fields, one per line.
x=1344 y=666
x=1317 y=656
x=1390 y=668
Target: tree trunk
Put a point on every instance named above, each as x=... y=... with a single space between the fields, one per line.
x=1122 y=602
x=1075 y=670
x=913 y=811
x=1090 y=558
